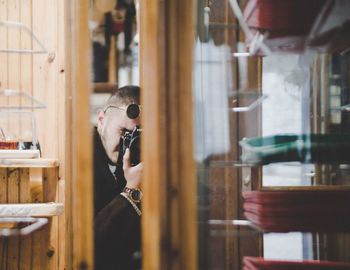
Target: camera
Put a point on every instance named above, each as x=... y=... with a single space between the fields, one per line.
x=131 y=140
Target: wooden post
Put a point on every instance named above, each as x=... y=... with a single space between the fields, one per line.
x=167 y=35
x=3 y=199
x=79 y=190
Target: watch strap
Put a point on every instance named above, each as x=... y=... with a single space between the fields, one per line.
x=126 y=196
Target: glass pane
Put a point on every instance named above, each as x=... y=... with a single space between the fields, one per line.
x=271 y=111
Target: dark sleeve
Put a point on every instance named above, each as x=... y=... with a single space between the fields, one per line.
x=117 y=233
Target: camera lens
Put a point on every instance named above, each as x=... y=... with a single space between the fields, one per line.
x=133 y=111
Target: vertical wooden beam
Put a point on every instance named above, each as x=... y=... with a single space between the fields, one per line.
x=63 y=247
x=49 y=235
x=3 y=199
x=69 y=40
x=167 y=35
x=13 y=197
x=112 y=61
x=61 y=117
x=79 y=203
x=42 y=76
x=180 y=36
x=26 y=42
x=26 y=251
x=45 y=74
x=3 y=56
x=13 y=64
x=152 y=75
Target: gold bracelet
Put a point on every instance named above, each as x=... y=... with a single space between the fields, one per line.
x=126 y=196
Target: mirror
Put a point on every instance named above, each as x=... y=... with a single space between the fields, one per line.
x=114 y=36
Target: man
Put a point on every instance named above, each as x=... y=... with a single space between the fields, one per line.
x=117 y=210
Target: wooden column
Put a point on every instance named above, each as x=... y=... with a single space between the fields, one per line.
x=78 y=155
x=169 y=213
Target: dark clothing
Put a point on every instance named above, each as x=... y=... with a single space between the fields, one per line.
x=100 y=62
x=130 y=13
x=117 y=225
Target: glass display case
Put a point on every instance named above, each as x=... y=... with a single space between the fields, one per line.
x=18 y=134
x=271 y=113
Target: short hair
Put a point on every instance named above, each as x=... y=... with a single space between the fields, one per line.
x=124 y=96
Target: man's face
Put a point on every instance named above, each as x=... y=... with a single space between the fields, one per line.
x=112 y=124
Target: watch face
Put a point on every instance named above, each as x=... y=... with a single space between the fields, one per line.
x=136 y=195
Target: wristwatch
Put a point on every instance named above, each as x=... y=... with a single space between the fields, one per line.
x=134 y=194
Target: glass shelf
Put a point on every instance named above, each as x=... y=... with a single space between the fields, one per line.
x=306 y=148
x=234 y=227
x=14 y=24
x=18 y=100
x=230 y=164
x=246 y=100
x=20 y=225
x=345 y=108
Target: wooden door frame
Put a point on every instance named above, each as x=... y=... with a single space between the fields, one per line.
x=169 y=213
x=169 y=232
x=78 y=148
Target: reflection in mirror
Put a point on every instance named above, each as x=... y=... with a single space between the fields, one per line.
x=115 y=104
x=114 y=36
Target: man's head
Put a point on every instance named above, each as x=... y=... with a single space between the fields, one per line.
x=113 y=120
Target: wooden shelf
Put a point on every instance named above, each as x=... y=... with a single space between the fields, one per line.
x=29 y=163
x=104 y=87
x=31 y=210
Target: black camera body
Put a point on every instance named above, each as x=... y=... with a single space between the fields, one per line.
x=131 y=140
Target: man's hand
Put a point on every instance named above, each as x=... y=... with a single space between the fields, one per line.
x=131 y=174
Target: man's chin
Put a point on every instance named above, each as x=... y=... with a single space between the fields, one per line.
x=114 y=158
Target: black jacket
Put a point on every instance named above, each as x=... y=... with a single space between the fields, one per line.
x=116 y=225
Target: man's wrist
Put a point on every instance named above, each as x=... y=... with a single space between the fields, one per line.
x=126 y=196
x=134 y=194
x=133 y=186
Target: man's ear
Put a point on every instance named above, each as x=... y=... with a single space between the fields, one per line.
x=100 y=119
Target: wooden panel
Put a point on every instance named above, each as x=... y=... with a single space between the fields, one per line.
x=62 y=251
x=37 y=249
x=68 y=123
x=79 y=194
x=181 y=171
x=3 y=56
x=50 y=184
x=25 y=63
x=105 y=87
x=3 y=199
x=169 y=187
x=112 y=64
x=61 y=98
x=24 y=186
x=13 y=64
x=250 y=125
x=45 y=74
x=25 y=252
x=224 y=184
x=32 y=163
x=13 y=197
x=36 y=186
x=42 y=76
x=152 y=51
x=26 y=60
x=20 y=250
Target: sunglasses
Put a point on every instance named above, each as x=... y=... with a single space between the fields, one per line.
x=132 y=111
